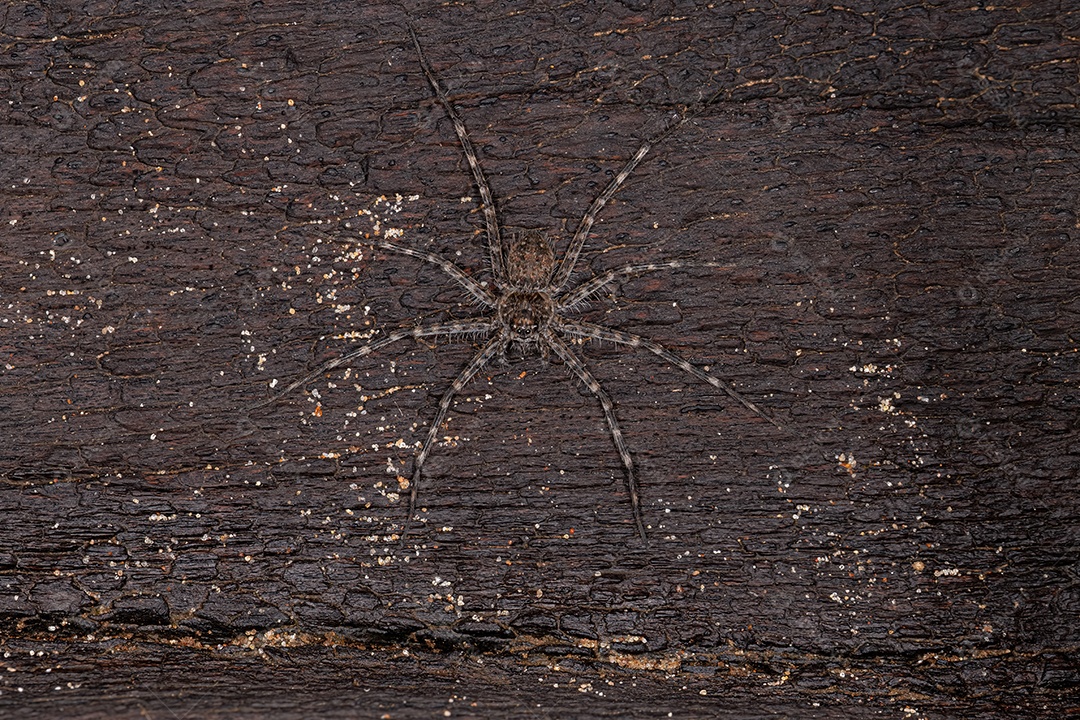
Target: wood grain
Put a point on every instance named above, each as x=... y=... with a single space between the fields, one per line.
x=891 y=191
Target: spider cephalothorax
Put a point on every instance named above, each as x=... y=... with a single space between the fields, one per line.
x=527 y=313
x=528 y=303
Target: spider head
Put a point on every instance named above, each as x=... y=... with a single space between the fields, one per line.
x=525 y=314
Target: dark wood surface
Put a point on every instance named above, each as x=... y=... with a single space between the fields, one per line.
x=891 y=191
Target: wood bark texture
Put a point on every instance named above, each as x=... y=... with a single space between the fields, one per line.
x=888 y=190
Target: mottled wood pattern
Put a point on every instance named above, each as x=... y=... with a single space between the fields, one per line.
x=890 y=194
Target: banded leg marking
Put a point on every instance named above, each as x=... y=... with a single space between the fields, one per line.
x=578 y=368
x=589 y=330
x=590 y=287
x=495 y=247
x=478 y=291
x=493 y=347
x=459 y=328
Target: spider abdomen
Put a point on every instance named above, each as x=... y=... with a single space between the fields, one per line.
x=530 y=260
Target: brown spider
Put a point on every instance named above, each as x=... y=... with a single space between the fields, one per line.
x=528 y=301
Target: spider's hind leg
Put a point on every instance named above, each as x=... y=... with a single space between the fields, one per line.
x=475 y=289
x=496 y=251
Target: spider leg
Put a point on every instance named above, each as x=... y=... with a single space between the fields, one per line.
x=481 y=359
x=562 y=275
x=478 y=291
x=566 y=267
x=589 y=330
x=458 y=328
x=495 y=247
x=578 y=368
x=587 y=289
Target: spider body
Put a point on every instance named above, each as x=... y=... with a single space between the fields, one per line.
x=528 y=303
x=526 y=313
x=525 y=306
x=530 y=261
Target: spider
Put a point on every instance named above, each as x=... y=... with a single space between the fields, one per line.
x=528 y=302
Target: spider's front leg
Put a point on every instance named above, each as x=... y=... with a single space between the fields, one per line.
x=493 y=347
x=455 y=329
x=582 y=373
x=590 y=330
